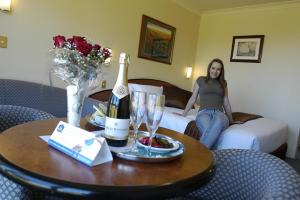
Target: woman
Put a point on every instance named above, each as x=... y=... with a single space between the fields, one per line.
x=212 y=90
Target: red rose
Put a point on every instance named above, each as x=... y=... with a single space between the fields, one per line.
x=84 y=47
x=97 y=47
x=59 y=41
x=106 y=53
x=78 y=39
x=70 y=40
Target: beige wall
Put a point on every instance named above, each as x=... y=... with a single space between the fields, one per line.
x=113 y=23
x=270 y=88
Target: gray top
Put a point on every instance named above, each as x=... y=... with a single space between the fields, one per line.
x=211 y=94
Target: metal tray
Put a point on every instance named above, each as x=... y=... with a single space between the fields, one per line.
x=141 y=155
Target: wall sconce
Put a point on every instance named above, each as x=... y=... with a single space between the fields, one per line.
x=5 y=5
x=188 y=73
x=108 y=60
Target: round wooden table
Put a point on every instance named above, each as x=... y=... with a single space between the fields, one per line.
x=28 y=160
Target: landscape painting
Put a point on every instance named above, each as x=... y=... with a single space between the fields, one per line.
x=156 y=40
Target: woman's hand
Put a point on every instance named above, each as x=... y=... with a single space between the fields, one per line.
x=191 y=101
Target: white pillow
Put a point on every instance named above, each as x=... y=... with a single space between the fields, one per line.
x=145 y=88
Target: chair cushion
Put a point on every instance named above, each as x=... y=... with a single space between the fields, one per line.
x=248 y=174
x=12 y=190
x=11 y=115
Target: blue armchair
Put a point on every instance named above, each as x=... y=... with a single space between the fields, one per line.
x=249 y=175
x=11 y=115
x=52 y=100
x=13 y=191
x=21 y=102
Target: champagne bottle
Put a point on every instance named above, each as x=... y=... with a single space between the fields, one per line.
x=118 y=115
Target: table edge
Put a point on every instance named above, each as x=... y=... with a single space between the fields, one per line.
x=65 y=188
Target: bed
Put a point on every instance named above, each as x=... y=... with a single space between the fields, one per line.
x=256 y=132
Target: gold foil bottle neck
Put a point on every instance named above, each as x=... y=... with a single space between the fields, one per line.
x=124 y=58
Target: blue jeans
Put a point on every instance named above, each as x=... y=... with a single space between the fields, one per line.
x=211 y=123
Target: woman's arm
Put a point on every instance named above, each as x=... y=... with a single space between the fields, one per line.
x=227 y=106
x=192 y=100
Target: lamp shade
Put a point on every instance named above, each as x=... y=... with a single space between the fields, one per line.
x=189 y=71
x=5 y=5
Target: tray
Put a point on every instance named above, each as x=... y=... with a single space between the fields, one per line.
x=141 y=155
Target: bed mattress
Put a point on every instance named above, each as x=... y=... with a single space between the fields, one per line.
x=262 y=134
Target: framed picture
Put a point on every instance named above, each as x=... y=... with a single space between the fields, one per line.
x=156 y=40
x=247 y=48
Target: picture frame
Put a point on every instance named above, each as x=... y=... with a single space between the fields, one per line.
x=247 y=48
x=156 y=40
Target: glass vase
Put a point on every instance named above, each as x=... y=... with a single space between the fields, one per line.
x=75 y=96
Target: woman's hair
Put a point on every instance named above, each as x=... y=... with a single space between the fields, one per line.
x=221 y=77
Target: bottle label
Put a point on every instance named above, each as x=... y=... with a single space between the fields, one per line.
x=116 y=129
x=120 y=91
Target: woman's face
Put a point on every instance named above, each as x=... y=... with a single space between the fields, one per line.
x=215 y=70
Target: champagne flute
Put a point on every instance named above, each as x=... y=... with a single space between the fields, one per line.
x=154 y=111
x=137 y=111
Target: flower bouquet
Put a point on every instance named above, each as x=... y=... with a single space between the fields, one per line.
x=78 y=63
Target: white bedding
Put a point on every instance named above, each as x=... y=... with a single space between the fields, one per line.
x=176 y=122
x=260 y=134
